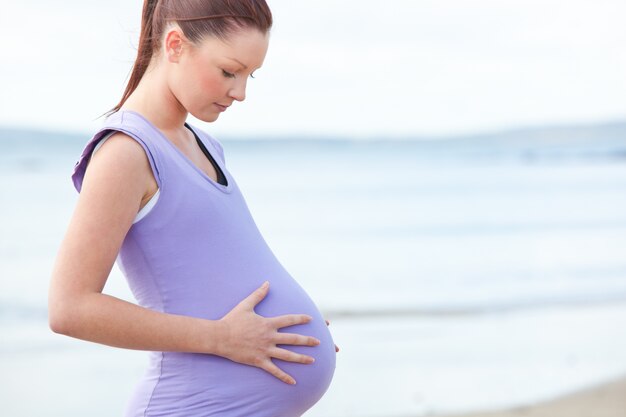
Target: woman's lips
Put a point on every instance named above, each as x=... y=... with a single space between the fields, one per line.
x=222 y=108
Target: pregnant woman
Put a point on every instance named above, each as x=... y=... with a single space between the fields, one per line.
x=230 y=332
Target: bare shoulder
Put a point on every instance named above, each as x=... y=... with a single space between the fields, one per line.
x=123 y=148
x=122 y=158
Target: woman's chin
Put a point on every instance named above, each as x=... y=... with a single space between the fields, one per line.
x=208 y=116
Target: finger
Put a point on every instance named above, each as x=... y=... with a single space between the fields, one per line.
x=288 y=355
x=271 y=367
x=295 y=339
x=257 y=295
x=336 y=348
x=327 y=322
x=290 y=320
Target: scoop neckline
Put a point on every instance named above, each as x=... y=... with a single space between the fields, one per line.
x=224 y=188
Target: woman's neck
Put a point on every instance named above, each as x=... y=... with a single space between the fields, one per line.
x=153 y=99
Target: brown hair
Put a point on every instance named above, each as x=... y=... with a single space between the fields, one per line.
x=197 y=19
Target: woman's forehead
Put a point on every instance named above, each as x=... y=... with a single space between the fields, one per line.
x=238 y=39
x=246 y=48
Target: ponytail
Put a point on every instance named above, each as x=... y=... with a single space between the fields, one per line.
x=144 y=51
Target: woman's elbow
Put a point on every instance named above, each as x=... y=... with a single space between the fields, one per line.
x=60 y=315
x=57 y=319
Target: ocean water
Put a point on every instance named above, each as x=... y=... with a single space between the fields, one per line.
x=457 y=276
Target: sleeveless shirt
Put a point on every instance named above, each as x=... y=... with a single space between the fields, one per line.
x=150 y=203
x=198 y=252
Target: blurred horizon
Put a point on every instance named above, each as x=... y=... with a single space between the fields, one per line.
x=530 y=131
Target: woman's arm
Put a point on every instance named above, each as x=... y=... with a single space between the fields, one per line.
x=117 y=178
x=114 y=184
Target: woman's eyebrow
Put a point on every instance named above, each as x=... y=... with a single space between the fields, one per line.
x=244 y=65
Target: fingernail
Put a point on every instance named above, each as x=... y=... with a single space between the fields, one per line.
x=265 y=284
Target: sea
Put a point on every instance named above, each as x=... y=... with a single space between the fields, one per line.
x=458 y=273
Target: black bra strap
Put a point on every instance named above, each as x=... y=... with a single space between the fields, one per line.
x=221 y=178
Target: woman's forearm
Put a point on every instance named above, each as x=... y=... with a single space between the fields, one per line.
x=108 y=320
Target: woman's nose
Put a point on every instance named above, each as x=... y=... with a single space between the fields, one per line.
x=238 y=92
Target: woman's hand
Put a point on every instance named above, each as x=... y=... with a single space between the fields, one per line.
x=336 y=347
x=251 y=339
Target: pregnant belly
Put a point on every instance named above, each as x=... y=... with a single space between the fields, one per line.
x=193 y=384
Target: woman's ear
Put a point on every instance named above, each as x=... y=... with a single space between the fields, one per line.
x=174 y=44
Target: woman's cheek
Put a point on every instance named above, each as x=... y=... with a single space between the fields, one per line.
x=212 y=84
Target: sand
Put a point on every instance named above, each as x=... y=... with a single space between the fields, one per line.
x=607 y=400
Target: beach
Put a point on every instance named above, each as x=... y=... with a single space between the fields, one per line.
x=605 y=400
x=457 y=277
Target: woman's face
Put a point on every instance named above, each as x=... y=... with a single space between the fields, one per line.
x=215 y=73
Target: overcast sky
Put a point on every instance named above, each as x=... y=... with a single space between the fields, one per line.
x=355 y=68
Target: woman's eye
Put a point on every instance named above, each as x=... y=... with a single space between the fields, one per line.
x=230 y=75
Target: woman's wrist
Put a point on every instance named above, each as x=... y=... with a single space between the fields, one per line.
x=212 y=336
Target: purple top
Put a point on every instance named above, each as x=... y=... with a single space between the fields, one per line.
x=198 y=252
